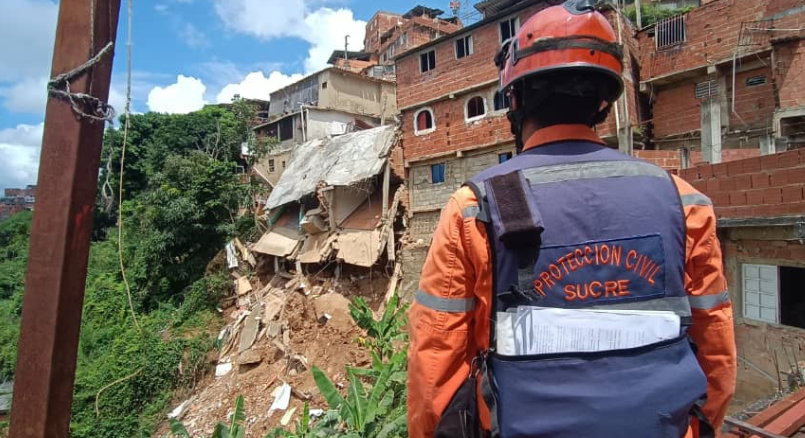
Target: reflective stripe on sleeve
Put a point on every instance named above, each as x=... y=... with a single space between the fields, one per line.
x=592 y=170
x=706 y=302
x=470 y=212
x=448 y=305
x=695 y=199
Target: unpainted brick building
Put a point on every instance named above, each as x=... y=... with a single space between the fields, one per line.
x=724 y=77
x=760 y=206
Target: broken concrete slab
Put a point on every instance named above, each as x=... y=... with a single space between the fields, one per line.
x=274 y=329
x=243 y=286
x=223 y=369
x=249 y=333
x=272 y=305
x=250 y=357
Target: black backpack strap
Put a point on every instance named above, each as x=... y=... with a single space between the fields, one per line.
x=488 y=394
x=705 y=428
x=483 y=205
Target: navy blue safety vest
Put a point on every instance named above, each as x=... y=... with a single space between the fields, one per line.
x=578 y=225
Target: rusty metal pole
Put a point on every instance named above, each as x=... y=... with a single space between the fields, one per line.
x=62 y=225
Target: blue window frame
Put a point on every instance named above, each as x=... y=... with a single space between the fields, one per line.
x=437 y=173
x=502 y=158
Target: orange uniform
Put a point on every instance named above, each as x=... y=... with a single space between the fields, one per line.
x=457 y=278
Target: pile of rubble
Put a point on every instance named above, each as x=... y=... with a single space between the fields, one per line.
x=275 y=332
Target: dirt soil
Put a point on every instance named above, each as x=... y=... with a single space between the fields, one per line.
x=308 y=335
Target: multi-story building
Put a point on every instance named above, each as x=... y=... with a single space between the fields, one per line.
x=330 y=102
x=724 y=79
x=388 y=34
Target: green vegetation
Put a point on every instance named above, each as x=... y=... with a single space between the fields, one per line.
x=384 y=332
x=652 y=13
x=182 y=195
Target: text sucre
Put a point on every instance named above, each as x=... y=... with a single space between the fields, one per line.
x=596 y=255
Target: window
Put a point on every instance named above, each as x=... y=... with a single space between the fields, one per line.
x=427 y=61
x=283 y=164
x=464 y=47
x=271 y=165
x=324 y=85
x=501 y=100
x=437 y=173
x=706 y=89
x=670 y=31
x=755 y=80
x=476 y=108
x=508 y=28
x=502 y=158
x=286 y=128
x=423 y=122
x=773 y=294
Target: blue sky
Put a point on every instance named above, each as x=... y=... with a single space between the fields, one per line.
x=185 y=53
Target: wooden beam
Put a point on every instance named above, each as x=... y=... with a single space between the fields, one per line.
x=62 y=225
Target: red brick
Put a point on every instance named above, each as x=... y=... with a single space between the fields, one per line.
x=726 y=184
x=772 y=196
x=713 y=186
x=720 y=199
x=768 y=162
x=760 y=180
x=738 y=198
x=743 y=182
x=735 y=168
x=705 y=171
x=792 y=194
x=788 y=159
x=720 y=169
x=754 y=197
x=796 y=175
x=752 y=165
x=779 y=178
x=796 y=208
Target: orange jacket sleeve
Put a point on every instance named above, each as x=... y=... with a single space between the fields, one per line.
x=454 y=288
x=712 y=329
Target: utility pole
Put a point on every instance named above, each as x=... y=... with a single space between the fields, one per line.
x=62 y=224
x=346 y=51
x=639 y=14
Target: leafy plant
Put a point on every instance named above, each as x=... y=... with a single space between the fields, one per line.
x=234 y=429
x=383 y=332
x=366 y=413
x=650 y=14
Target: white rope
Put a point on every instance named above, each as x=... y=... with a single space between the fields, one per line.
x=84 y=105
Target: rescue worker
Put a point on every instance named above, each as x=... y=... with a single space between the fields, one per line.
x=570 y=223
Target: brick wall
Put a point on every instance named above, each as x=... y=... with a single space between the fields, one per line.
x=789 y=74
x=713 y=31
x=677 y=110
x=422 y=225
x=451 y=74
x=379 y=24
x=754 y=104
x=767 y=186
x=668 y=160
x=452 y=131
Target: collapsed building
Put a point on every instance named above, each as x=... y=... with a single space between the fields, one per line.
x=336 y=201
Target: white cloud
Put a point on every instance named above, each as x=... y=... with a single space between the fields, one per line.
x=26 y=96
x=19 y=155
x=184 y=96
x=256 y=86
x=28 y=31
x=326 y=29
x=161 y=8
x=193 y=37
x=323 y=28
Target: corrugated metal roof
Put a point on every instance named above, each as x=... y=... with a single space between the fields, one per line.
x=337 y=161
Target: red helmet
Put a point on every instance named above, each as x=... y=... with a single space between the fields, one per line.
x=572 y=36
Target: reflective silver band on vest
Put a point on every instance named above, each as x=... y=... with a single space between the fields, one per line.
x=592 y=170
x=678 y=305
x=470 y=212
x=695 y=199
x=706 y=302
x=448 y=305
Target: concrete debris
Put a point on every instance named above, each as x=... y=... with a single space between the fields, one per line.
x=272 y=305
x=316 y=413
x=180 y=410
x=273 y=329
x=250 y=357
x=282 y=397
x=231 y=256
x=223 y=369
x=244 y=253
x=287 y=417
x=324 y=318
x=250 y=330
x=243 y=286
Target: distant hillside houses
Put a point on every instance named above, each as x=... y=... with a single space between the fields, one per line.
x=16 y=200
